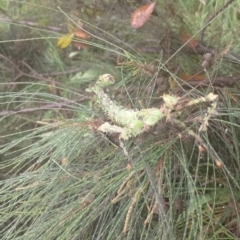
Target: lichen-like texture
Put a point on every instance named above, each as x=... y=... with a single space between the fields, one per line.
x=132 y=122
x=129 y=122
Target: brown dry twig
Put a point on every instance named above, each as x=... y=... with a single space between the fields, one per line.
x=40 y=77
x=8 y=19
x=221 y=81
x=57 y=105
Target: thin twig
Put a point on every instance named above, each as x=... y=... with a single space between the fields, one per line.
x=69 y=71
x=221 y=81
x=31 y=24
x=211 y=17
x=44 y=107
x=39 y=77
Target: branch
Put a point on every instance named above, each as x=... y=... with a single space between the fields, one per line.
x=33 y=25
x=44 y=107
x=40 y=77
x=221 y=81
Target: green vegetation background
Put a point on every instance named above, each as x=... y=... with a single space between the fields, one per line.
x=60 y=178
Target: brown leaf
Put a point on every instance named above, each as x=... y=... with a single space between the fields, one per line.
x=187 y=39
x=140 y=16
x=196 y=77
x=81 y=34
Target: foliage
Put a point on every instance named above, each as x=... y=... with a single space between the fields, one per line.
x=61 y=178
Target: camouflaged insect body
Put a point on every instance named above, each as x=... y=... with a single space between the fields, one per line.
x=132 y=122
